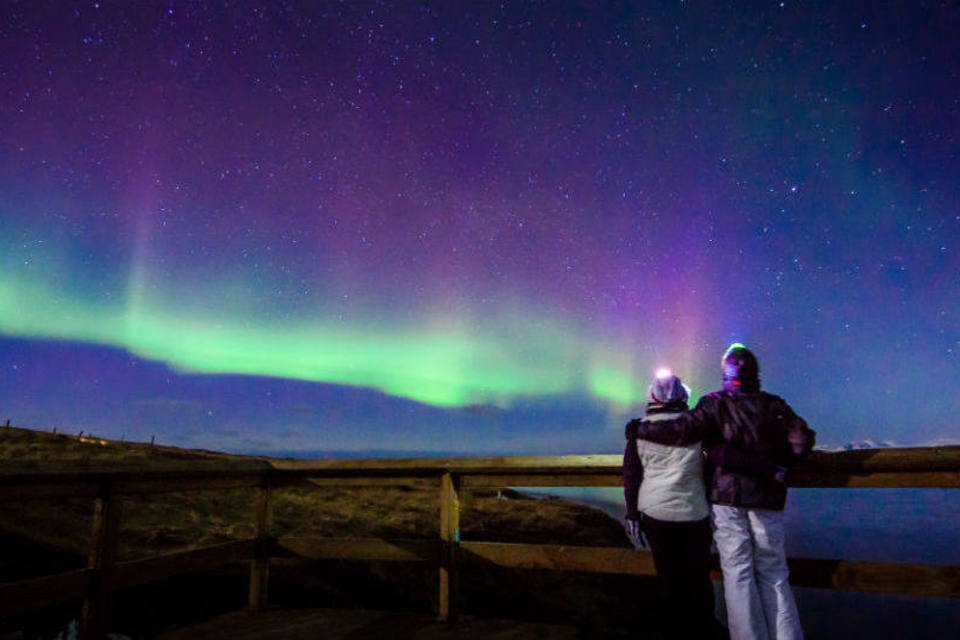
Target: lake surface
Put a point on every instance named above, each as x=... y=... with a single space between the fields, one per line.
x=883 y=525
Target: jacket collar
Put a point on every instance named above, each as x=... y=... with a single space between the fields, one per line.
x=675 y=406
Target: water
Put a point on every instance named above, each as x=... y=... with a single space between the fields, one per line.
x=881 y=525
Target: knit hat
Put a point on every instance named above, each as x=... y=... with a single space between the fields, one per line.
x=667 y=387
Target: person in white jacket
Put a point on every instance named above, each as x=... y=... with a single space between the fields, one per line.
x=666 y=498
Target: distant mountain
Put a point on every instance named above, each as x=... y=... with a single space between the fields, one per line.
x=858 y=444
x=869 y=443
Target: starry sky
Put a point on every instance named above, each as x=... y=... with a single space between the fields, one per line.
x=474 y=227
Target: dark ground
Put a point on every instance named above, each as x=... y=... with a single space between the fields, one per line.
x=42 y=537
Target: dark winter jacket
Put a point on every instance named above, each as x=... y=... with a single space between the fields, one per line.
x=750 y=432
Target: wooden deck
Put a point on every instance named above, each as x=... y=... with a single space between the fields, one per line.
x=334 y=624
x=452 y=479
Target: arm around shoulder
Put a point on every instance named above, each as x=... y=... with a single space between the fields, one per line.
x=685 y=429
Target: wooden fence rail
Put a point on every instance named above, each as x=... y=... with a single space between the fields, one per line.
x=879 y=468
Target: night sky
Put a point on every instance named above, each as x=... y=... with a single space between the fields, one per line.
x=422 y=227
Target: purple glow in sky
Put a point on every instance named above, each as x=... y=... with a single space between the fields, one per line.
x=416 y=226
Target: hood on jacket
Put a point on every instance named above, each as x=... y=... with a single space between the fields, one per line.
x=741 y=370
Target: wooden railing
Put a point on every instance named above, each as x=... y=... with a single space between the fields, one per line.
x=885 y=468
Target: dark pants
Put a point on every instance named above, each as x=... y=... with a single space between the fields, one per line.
x=681 y=554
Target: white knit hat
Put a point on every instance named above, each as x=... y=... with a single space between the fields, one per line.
x=667 y=387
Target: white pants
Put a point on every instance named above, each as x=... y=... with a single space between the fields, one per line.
x=760 y=604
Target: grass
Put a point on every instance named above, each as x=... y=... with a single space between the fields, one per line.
x=58 y=531
x=159 y=523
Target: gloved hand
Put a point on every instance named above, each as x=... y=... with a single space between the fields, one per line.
x=780 y=474
x=634 y=526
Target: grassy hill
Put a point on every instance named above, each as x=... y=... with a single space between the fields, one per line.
x=52 y=535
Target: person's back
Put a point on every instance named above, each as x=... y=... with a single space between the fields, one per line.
x=672 y=487
x=666 y=496
x=762 y=425
x=762 y=437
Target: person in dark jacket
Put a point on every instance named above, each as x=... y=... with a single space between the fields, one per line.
x=753 y=438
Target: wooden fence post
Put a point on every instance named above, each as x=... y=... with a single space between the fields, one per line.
x=101 y=561
x=450 y=542
x=260 y=564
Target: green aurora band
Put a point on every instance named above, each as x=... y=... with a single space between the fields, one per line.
x=446 y=365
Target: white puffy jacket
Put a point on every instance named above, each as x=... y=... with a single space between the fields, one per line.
x=672 y=487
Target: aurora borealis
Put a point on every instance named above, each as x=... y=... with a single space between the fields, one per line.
x=427 y=226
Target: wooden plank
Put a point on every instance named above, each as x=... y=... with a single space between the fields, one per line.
x=100 y=562
x=865 y=460
x=26 y=489
x=449 y=577
x=547 y=480
x=337 y=469
x=886 y=459
x=809 y=478
x=373 y=481
x=260 y=563
x=803 y=476
x=37 y=484
x=188 y=482
x=134 y=572
x=559 y=557
x=844 y=468
x=398 y=550
x=52 y=472
x=438 y=466
x=934 y=581
x=25 y=596
x=842 y=575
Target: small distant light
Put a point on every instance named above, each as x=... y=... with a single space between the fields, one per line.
x=663 y=372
